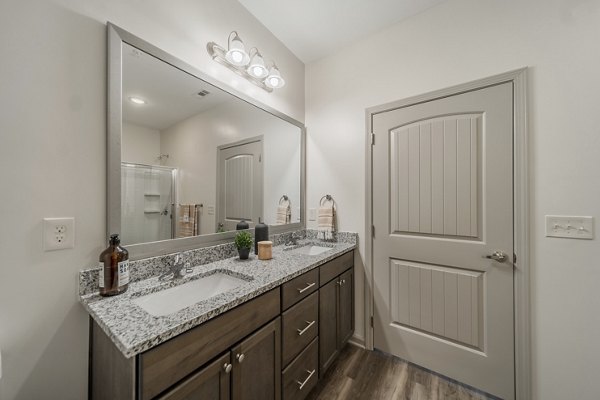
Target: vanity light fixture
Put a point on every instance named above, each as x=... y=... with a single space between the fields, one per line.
x=251 y=65
x=137 y=100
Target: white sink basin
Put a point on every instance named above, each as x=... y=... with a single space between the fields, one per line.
x=179 y=297
x=311 y=250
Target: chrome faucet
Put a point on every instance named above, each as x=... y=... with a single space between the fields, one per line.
x=293 y=240
x=176 y=267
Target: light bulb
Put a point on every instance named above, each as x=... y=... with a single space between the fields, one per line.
x=274 y=79
x=237 y=56
x=257 y=67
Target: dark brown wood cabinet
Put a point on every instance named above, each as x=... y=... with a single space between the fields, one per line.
x=300 y=326
x=345 y=307
x=256 y=361
x=271 y=347
x=328 y=347
x=251 y=370
x=211 y=382
x=301 y=376
x=336 y=310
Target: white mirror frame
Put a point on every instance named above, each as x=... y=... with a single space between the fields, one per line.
x=115 y=39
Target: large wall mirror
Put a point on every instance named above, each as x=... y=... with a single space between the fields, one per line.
x=188 y=160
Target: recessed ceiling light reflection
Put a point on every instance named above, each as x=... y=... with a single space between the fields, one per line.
x=137 y=100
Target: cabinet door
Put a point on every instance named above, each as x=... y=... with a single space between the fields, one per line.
x=328 y=325
x=345 y=308
x=257 y=365
x=210 y=383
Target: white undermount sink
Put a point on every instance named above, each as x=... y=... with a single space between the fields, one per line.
x=311 y=250
x=177 y=298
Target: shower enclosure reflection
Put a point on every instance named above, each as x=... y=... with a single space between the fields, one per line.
x=147 y=202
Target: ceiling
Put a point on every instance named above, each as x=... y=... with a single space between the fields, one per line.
x=313 y=29
x=171 y=95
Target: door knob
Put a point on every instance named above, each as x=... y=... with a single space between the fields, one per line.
x=227 y=367
x=240 y=357
x=498 y=255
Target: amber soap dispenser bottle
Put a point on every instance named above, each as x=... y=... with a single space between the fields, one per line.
x=114 y=268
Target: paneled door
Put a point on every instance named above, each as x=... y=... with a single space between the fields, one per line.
x=443 y=243
x=240 y=183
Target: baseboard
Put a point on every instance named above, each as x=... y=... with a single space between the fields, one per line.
x=357 y=341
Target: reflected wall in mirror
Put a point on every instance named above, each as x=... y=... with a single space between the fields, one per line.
x=195 y=159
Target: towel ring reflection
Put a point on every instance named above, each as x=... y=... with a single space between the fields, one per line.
x=326 y=198
x=284 y=198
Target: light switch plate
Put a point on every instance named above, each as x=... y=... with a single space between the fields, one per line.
x=211 y=210
x=571 y=227
x=312 y=214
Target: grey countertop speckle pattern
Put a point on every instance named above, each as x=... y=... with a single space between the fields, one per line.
x=133 y=330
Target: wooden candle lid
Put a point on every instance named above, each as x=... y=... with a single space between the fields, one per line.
x=265 y=250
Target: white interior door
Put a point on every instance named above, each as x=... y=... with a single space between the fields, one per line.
x=442 y=202
x=240 y=184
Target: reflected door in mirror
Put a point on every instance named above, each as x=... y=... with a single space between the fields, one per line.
x=240 y=183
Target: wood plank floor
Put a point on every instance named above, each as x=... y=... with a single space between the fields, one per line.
x=362 y=374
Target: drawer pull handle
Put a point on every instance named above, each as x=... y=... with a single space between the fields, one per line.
x=240 y=357
x=301 y=331
x=308 y=286
x=310 y=374
x=227 y=368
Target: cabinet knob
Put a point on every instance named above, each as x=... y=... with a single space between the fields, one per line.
x=240 y=357
x=227 y=368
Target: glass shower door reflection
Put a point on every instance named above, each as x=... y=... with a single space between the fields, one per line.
x=147 y=196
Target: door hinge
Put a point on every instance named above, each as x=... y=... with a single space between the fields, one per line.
x=514 y=258
x=372 y=139
x=371 y=321
x=373 y=230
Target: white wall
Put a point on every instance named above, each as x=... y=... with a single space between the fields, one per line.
x=192 y=148
x=456 y=42
x=140 y=145
x=52 y=159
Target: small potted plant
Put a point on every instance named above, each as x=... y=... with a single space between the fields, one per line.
x=243 y=243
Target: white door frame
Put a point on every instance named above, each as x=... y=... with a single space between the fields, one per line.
x=521 y=214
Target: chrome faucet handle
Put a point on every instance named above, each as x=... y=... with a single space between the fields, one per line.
x=188 y=268
x=177 y=265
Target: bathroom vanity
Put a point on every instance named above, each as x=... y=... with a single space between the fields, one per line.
x=234 y=329
x=273 y=337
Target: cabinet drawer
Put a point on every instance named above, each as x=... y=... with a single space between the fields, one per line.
x=298 y=288
x=173 y=360
x=335 y=267
x=301 y=376
x=300 y=326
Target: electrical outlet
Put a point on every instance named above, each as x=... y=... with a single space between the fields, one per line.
x=59 y=233
x=211 y=210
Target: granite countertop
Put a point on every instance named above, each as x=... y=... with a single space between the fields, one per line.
x=134 y=331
